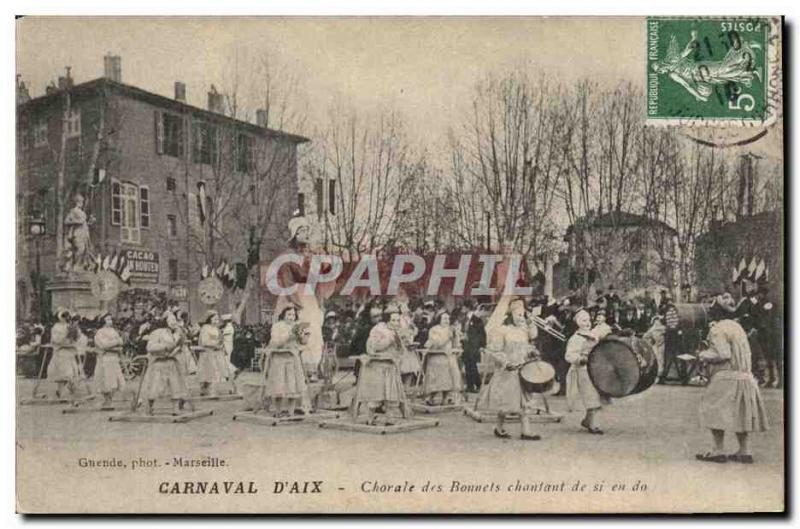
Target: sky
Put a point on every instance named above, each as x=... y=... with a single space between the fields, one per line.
x=424 y=68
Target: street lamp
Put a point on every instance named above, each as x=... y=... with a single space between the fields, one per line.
x=37 y=228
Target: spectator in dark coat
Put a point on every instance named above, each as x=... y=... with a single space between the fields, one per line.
x=475 y=341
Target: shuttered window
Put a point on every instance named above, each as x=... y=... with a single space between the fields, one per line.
x=319 y=191
x=332 y=197
x=144 y=206
x=169 y=134
x=116 y=203
x=130 y=232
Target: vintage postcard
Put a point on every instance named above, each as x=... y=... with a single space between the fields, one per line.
x=400 y=265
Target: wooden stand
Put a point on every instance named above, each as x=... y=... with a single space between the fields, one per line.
x=38 y=399
x=134 y=415
x=261 y=417
x=202 y=398
x=538 y=416
x=442 y=408
x=392 y=425
x=161 y=417
x=80 y=408
x=44 y=400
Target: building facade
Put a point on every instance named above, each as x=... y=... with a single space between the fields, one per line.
x=723 y=247
x=620 y=251
x=172 y=187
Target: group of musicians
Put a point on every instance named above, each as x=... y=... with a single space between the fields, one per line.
x=170 y=358
x=731 y=403
x=389 y=369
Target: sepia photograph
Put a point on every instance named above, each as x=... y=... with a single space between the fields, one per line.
x=399 y=265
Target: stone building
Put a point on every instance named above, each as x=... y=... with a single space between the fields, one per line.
x=619 y=251
x=142 y=160
x=725 y=244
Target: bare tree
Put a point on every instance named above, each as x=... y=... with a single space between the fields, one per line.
x=369 y=160
x=506 y=163
x=246 y=174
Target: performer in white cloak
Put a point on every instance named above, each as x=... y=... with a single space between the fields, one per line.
x=108 y=376
x=379 y=383
x=285 y=382
x=164 y=377
x=212 y=366
x=510 y=346
x=442 y=374
x=308 y=307
x=63 y=369
x=732 y=401
x=581 y=393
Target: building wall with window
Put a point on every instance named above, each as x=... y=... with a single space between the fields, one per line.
x=623 y=251
x=156 y=152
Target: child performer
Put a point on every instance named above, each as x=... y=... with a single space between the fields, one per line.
x=63 y=368
x=285 y=383
x=439 y=375
x=163 y=377
x=581 y=393
x=108 y=372
x=212 y=368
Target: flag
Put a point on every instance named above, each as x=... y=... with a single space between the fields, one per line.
x=230 y=276
x=98 y=176
x=760 y=269
x=204 y=272
x=125 y=275
x=201 y=201
x=752 y=268
x=219 y=271
x=737 y=270
x=98 y=262
x=121 y=264
x=112 y=265
x=106 y=262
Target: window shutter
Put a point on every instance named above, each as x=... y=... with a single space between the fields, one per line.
x=197 y=143
x=332 y=197
x=301 y=203
x=216 y=144
x=251 y=155
x=144 y=206
x=159 y=121
x=183 y=125
x=319 y=190
x=116 y=203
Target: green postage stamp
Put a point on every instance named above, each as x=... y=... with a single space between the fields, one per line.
x=713 y=70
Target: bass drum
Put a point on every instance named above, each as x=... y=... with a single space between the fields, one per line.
x=692 y=316
x=620 y=366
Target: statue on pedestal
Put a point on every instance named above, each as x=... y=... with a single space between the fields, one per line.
x=77 y=251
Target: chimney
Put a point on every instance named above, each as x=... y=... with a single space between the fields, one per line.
x=180 y=91
x=65 y=81
x=261 y=117
x=112 y=67
x=215 y=101
x=23 y=96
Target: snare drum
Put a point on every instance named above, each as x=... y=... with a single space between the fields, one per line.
x=620 y=366
x=537 y=376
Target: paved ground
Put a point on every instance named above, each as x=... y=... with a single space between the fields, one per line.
x=650 y=438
